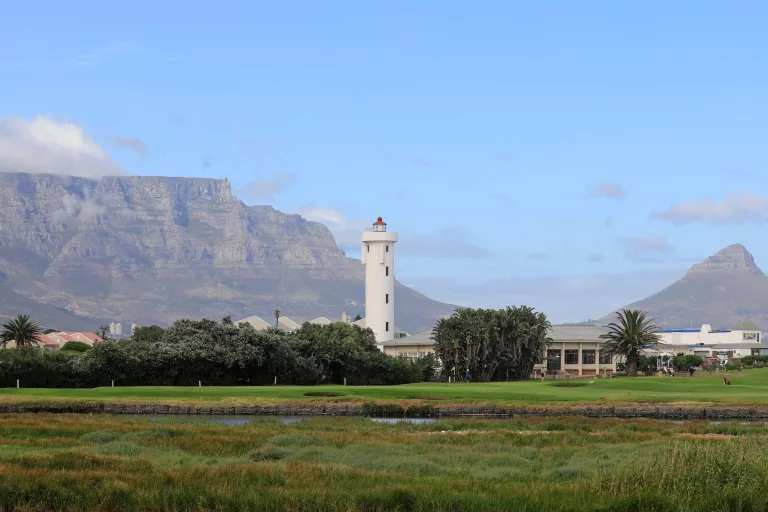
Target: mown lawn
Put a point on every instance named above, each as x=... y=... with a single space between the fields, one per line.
x=749 y=387
x=99 y=462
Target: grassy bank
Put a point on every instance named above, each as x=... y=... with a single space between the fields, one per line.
x=76 y=462
x=748 y=388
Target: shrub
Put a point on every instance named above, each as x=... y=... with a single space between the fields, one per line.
x=268 y=453
x=76 y=346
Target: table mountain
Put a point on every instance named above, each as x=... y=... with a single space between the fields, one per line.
x=157 y=249
x=723 y=290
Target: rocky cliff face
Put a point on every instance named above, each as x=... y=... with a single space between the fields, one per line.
x=155 y=249
x=725 y=289
x=734 y=258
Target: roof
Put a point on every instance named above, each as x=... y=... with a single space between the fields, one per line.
x=421 y=339
x=73 y=336
x=321 y=320
x=575 y=333
x=255 y=322
x=46 y=340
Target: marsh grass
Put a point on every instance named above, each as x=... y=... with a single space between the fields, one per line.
x=100 y=462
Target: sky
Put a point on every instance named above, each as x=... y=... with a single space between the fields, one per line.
x=572 y=156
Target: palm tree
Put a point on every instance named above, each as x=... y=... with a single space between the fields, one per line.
x=277 y=316
x=629 y=335
x=22 y=331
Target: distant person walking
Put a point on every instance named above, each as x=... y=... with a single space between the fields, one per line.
x=468 y=376
x=691 y=370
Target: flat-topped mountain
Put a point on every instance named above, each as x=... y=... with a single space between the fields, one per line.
x=156 y=249
x=723 y=290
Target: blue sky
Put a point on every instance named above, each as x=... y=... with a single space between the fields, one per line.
x=573 y=156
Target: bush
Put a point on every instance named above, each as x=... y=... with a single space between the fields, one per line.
x=76 y=346
x=268 y=453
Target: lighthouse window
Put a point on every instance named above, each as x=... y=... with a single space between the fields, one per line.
x=386 y=327
x=387 y=271
x=387 y=248
x=386 y=298
x=368 y=248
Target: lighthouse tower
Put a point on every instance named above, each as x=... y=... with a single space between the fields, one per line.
x=379 y=260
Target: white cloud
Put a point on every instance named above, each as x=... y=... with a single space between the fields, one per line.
x=448 y=242
x=105 y=52
x=564 y=298
x=608 y=190
x=46 y=146
x=268 y=188
x=346 y=232
x=734 y=209
x=86 y=209
x=133 y=143
x=645 y=248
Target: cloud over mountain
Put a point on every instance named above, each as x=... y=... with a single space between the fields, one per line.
x=47 y=146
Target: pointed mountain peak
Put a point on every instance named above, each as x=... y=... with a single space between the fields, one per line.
x=734 y=258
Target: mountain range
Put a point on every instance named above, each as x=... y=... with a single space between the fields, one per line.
x=77 y=252
x=724 y=290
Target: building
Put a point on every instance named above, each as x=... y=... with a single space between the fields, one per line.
x=286 y=324
x=378 y=256
x=709 y=343
x=411 y=347
x=575 y=349
x=56 y=340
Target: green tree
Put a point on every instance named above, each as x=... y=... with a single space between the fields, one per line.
x=357 y=317
x=76 y=346
x=149 y=334
x=684 y=362
x=49 y=331
x=22 y=331
x=631 y=332
x=492 y=344
x=102 y=331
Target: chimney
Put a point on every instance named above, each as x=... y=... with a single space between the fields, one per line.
x=345 y=317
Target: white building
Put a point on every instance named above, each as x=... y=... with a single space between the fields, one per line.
x=709 y=343
x=378 y=256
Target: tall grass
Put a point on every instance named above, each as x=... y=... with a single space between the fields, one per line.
x=71 y=462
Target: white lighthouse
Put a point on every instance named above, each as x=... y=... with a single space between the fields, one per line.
x=379 y=260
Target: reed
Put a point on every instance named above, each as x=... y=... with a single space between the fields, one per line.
x=100 y=462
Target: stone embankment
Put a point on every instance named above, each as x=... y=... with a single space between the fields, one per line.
x=397 y=410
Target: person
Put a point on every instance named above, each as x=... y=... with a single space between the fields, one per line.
x=691 y=370
x=543 y=373
x=468 y=376
x=672 y=371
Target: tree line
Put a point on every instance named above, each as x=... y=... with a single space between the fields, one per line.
x=215 y=353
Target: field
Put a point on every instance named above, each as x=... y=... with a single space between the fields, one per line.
x=748 y=388
x=100 y=462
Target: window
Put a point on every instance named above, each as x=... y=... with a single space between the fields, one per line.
x=386 y=298
x=588 y=356
x=387 y=271
x=553 y=354
x=606 y=359
x=571 y=357
x=387 y=248
x=386 y=327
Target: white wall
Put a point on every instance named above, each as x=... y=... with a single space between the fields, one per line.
x=709 y=338
x=380 y=283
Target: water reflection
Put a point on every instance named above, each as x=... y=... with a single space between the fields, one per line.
x=245 y=420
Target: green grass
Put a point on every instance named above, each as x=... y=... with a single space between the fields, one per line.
x=749 y=387
x=99 y=462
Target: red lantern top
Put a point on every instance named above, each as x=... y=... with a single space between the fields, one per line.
x=379 y=225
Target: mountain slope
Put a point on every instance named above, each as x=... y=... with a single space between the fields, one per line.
x=723 y=290
x=156 y=249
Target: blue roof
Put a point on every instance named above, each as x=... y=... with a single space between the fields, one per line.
x=695 y=330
